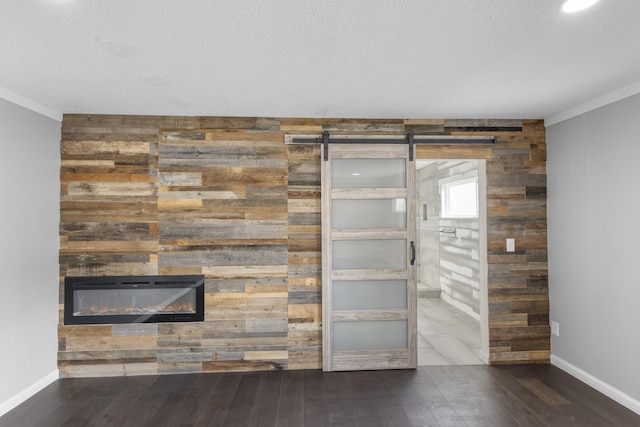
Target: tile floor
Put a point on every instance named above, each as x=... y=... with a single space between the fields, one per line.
x=446 y=335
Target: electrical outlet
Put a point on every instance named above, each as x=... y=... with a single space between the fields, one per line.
x=555 y=328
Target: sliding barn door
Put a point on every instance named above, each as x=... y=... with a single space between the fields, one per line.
x=368 y=252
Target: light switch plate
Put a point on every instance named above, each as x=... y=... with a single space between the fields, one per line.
x=511 y=245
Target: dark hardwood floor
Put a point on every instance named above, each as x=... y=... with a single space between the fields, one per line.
x=527 y=395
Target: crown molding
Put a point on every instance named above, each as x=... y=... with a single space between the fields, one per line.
x=593 y=104
x=30 y=104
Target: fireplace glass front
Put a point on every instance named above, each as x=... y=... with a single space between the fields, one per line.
x=137 y=299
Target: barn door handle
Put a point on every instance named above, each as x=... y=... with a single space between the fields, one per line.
x=413 y=253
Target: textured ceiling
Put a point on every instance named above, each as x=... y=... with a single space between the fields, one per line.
x=318 y=58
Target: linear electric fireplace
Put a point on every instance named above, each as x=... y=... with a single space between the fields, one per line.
x=133 y=299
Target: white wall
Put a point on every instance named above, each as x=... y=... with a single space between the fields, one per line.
x=594 y=247
x=29 y=217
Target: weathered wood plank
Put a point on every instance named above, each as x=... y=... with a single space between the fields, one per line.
x=226 y=197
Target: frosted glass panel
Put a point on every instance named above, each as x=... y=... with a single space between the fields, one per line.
x=369 y=294
x=369 y=254
x=368 y=173
x=370 y=335
x=369 y=213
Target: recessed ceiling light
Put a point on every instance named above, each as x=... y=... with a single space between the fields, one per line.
x=570 y=6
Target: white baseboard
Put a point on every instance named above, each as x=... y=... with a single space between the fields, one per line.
x=25 y=394
x=603 y=387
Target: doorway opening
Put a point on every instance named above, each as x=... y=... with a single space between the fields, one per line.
x=451 y=262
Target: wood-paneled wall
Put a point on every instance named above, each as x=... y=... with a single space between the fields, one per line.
x=225 y=197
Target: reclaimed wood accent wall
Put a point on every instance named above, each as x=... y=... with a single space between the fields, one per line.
x=227 y=198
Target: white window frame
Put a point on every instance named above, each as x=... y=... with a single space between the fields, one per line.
x=445 y=197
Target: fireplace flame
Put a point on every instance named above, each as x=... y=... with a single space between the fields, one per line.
x=152 y=309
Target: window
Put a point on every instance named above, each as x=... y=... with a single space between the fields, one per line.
x=460 y=198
